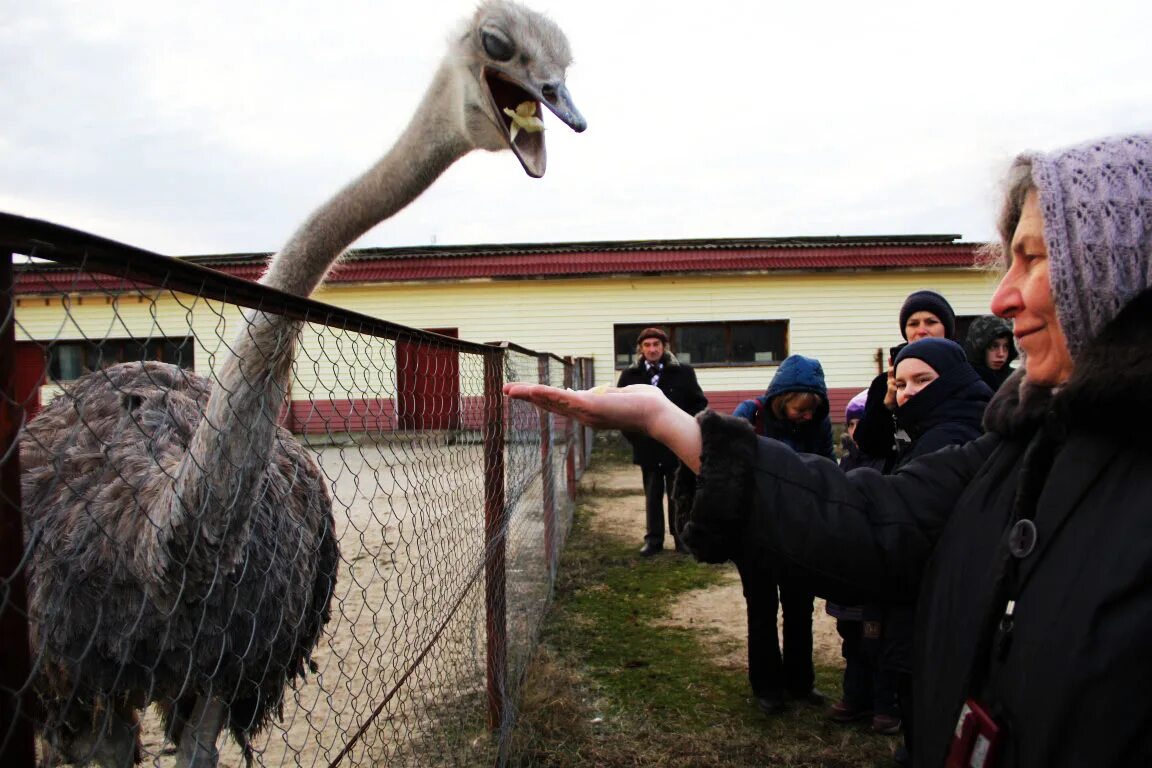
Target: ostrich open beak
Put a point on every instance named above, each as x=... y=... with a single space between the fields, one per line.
x=517 y=104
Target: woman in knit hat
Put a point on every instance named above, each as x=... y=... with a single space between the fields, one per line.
x=990 y=349
x=924 y=314
x=1031 y=547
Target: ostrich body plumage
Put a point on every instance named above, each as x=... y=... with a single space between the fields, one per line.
x=93 y=460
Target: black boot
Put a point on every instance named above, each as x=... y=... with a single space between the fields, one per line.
x=651 y=548
x=771 y=703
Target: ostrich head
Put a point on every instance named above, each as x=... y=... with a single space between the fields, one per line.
x=510 y=60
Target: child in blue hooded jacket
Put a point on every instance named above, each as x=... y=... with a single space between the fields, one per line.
x=794 y=410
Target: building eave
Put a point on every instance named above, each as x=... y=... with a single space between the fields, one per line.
x=581 y=260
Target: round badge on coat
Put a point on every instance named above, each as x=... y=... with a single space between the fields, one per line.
x=1022 y=539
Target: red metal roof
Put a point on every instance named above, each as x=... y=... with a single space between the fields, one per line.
x=577 y=259
x=577 y=264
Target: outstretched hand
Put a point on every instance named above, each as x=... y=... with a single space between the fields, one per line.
x=636 y=408
x=627 y=408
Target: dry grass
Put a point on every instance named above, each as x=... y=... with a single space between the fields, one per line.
x=616 y=684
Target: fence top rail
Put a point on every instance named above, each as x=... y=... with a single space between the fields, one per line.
x=530 y=352
x=85 y=251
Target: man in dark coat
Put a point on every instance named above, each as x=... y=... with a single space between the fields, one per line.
x=656 y=365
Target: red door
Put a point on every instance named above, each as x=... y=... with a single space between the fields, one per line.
x=30 y=366
x=428 y=384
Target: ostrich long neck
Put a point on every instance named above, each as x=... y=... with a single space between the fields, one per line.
x=215 y=485
x=429 y=144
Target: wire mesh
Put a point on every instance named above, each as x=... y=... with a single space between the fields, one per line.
x=328 y=535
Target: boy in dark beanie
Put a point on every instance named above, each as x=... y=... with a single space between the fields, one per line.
x=990 y=349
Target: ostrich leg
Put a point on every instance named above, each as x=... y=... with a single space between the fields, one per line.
x=110 y=744
x=119 y=747
x=197 y=747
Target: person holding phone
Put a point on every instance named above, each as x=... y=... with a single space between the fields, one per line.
x=924 y=314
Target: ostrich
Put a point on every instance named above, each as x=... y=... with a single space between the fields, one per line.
x=182 y=544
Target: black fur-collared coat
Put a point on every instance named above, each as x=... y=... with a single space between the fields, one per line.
x=1070 y=683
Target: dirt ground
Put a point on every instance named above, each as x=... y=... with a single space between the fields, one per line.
x=396 y=526
x=717 y=614
x=409 y=538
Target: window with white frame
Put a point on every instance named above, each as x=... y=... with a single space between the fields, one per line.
x=717 y=343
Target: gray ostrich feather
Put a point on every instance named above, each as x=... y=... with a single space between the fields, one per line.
x=112 y=634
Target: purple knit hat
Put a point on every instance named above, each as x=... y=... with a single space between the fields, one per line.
x=1097 y=205
x=855 y=407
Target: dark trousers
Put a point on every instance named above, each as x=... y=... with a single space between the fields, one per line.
x=866 y=684
x=658 y=485
x=904 y=687
x=767 y=588
x=896 y=657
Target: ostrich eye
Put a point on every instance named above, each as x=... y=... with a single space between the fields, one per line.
x=496 y=46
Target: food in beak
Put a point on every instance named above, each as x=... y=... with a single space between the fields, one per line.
x=524 y=118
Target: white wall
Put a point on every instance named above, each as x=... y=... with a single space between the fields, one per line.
x=839 y=317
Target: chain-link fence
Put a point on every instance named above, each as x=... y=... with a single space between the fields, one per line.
x=238 y=525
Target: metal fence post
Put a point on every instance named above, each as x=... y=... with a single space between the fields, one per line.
x=495 y=540
x=571 y=425
x=581 y=430
x=547 y=471
x=589 y=383
x=17 y=741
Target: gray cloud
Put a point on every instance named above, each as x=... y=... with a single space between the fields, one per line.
x=216 y=127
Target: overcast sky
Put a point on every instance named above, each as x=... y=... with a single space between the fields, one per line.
x=212 y=126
